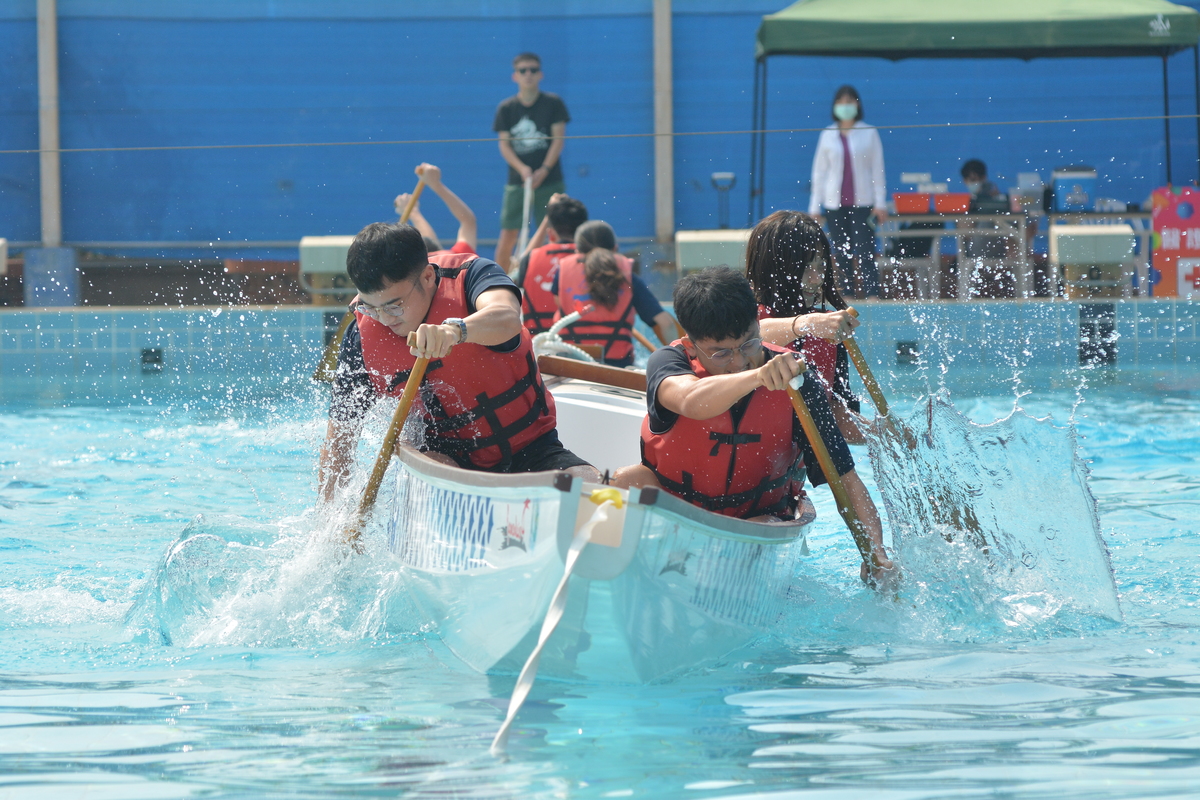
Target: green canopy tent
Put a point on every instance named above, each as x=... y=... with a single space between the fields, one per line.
x=1025 y=29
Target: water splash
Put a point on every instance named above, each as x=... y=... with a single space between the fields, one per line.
x=229 y=581
x=992 y=522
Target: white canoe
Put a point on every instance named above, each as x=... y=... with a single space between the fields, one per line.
x=664 y=588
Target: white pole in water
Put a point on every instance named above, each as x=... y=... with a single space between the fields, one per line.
x=527 y=207
x=51 y=173
x=664 y=126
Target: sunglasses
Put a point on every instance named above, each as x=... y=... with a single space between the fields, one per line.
x=528 y=70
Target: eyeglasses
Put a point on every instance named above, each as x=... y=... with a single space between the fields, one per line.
x=528 y=70
x=394 y=308
x=747 y=349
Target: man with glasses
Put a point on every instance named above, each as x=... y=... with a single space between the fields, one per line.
x=720 y=431
x=483 y=401
x=531 y=125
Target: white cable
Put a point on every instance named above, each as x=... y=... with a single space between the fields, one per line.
x=523 y=239
x=558 y=604
x=548 y=343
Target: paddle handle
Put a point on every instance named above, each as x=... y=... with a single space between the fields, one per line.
x=411 y=205
x=328 y=364
x=371 y=493
x=861 y=538
x=864 y=371
x=646 y=343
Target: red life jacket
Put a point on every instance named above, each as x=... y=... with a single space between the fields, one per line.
x=538 y=305
x=480 y=406
x=610 y=328
x=738 y=469
x=820 y=354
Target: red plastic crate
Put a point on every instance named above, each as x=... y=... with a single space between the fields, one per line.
x=952 y=203
x=911 y=202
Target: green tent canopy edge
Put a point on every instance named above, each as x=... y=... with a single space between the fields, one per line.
x=897 y=29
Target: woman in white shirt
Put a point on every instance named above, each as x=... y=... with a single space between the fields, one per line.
x=848 y=189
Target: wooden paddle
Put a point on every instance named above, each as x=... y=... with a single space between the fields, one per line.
x=864 y=371
x=861 y=538
x=643 y=341
x=371 y=493
x=596 y=373
x=328 y=364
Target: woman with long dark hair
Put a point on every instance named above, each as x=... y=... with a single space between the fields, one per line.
x=789 y=265
x=601 y=282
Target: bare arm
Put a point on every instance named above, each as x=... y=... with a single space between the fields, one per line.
x=337 y=454
x=415 y=217
x=510 y=156
x=836 y=326
x=868 y=515
x=664 y=322
x=497 y=319
x=467 y=226
x=697 y=398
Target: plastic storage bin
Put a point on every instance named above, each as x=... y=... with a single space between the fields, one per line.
x=911 y=202
x=952 y=202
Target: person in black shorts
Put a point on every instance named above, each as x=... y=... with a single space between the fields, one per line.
x=531 y=125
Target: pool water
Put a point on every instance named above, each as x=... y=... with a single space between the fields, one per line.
x=294 y=670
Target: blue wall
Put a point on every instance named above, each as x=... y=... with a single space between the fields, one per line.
x=140 y=73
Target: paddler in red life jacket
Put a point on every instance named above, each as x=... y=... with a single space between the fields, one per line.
x=788 y=262
x=540 y=262
x=482 y=400
x=609 y=293
x=720 y=431
x=466 y=240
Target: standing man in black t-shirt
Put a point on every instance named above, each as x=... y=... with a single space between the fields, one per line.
x=531 y=125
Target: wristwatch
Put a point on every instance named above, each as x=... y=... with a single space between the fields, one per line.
x=462 y=327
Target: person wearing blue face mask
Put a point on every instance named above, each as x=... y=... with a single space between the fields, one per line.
x=848 y=189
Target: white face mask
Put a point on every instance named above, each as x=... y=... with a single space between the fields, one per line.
x=845 y=111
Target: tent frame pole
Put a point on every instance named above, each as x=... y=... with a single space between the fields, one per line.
x=762 y=142
x=1196 y=84
x=1167 y=116
x=758 y=141
x=753 y=182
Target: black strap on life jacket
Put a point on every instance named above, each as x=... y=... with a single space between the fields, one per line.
x=401 y=377
x=611 y=331
x=486 y=407
x=687 y=491
x=541 y=320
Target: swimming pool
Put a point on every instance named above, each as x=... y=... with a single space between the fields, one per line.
x=314 y=682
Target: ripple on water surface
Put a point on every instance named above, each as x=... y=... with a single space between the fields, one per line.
x=291 y=671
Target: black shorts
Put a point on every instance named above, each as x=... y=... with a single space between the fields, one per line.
x=543 y=454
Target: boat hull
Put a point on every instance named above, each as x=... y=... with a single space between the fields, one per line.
x=666 y=587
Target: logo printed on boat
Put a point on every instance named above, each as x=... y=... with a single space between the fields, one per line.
x=676 y=562
x=513 y=533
